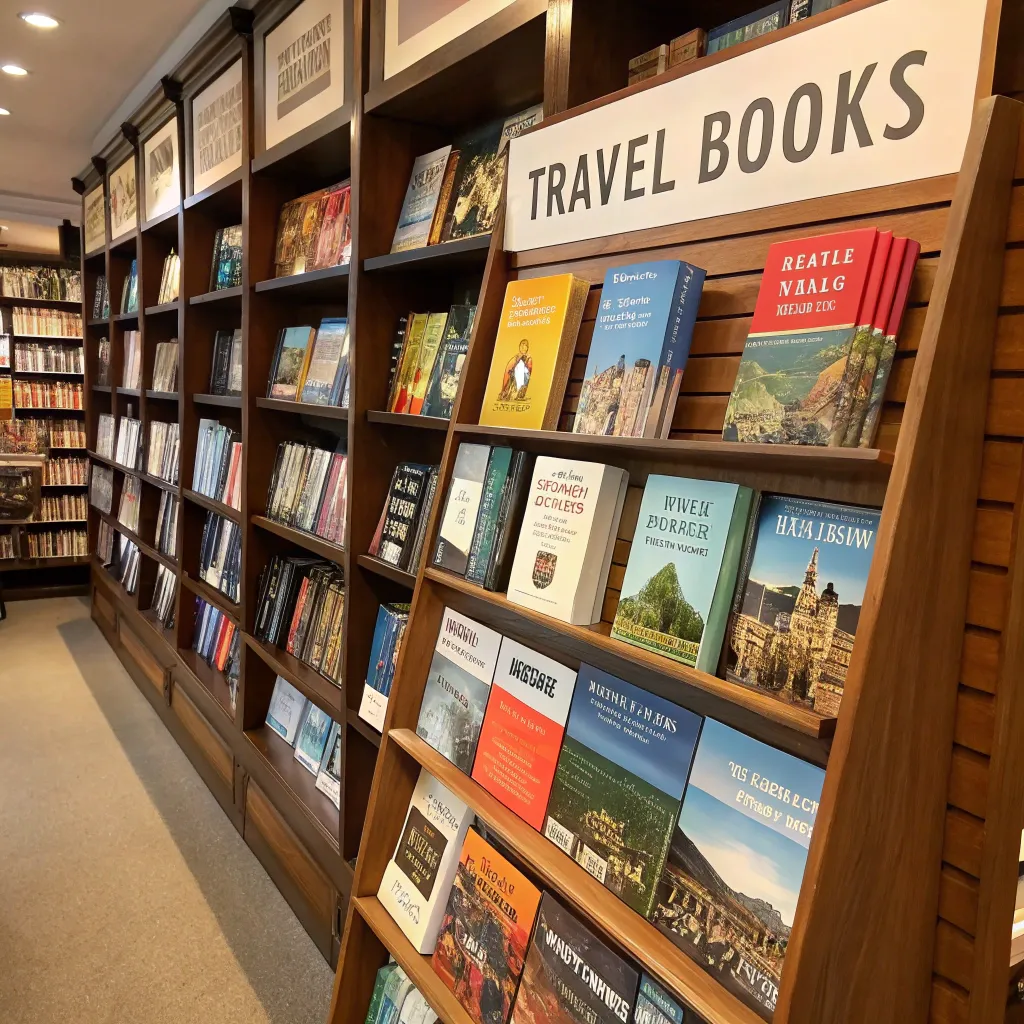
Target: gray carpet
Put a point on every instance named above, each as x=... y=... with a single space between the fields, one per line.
x=126 y=895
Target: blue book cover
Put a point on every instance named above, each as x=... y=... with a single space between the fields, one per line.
x=656 y=1005
x=738 y=856
x=380 y=631
x=312 y=739
x=619 y=781
x=682 y=568
x=637 y=313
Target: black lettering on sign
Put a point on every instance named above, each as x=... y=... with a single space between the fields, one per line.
x=659 y=156
x=581 y=185
x=915 y=105
x=633 y=166
x=605 y=181
x=535 y=177
x=556 y=182
x=811 y=92
x=767 y=112
x=848 y=109
x=714 y=144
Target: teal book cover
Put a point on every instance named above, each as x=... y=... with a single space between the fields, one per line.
x=619 y=782
x=682 y=568
x=312 y=741
x=656 y=1005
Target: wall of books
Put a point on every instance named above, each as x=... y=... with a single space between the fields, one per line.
x=515 y=511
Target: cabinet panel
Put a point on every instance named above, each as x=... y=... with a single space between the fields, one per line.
x=205 y=736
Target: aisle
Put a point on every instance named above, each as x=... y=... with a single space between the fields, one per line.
x=126 y=895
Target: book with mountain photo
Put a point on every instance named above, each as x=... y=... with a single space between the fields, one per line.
x=291 y=360
x=729 y=889
x=619 y=782
x=790 y=636
x=682 y=568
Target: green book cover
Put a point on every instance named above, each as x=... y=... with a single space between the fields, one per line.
x=682 y=568
x=378 y=992
x=619 y=783
x=487 y=519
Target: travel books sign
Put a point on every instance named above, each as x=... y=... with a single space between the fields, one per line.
x=881 y=96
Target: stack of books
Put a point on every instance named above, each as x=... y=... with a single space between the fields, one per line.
x=30 y=321
x=226 y=265
x=130 y=290
x=103 y=362
x=48 y=358
x=128 y=510
x=36 y=394
x=216 y=639
x=308 y=490
x=167 y=524
x=165 y=366
x=101 y=299
x=402 y=528
x=164 y=592
x=220 y=555
x=388 y=635
x=313 y=232
x=218 y=466
x=51 y=283
x=162 y=457
x=127 y=565
x=105 y=435
x=129 y=442
x=169 y=279
x=131 y=376
x=101 y=488
x=311 y=366
x=65 y=472
x=105 y=542
x=56 y=543
x=61 y=433
x=226 y=367
x=63 y=508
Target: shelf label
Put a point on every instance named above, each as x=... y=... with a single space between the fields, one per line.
x=880 y=96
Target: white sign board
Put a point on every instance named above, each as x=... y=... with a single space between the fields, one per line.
x=217 y=129
x=881 y=96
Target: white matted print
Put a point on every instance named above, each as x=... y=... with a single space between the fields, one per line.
x=124 y=200
x=217 y=129
x=160 y=168
x=414 y=28
x=95 y=220
x=304 y=68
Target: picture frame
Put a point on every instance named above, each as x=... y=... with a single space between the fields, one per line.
x=217 y=129
x=124 y=198
x=161 y=169
x=95 y=219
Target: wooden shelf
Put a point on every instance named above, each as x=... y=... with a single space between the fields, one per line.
x=43 y=562
x=164 y=220
x=48 y=337
x=225 y=401
x=44 y=408
x=327 y=412
x=326 y=694
x=212 y=505
x=327 y=285
x=164 y=307
x=48 y=373
x=157 y=481
x=228 y=296
x=146 y=549
x=103 y=388
x=364 y=729
x=387 y=570
x=163 y=396
x=74 y=305
x=320 y=152
x=215 y=683
x=402 y=419
x=122 y=317
x=588 y=897
x=101 y=322
x=131 y=392
x=317 y=545
x=466 y=252
x=166 y=635
x=223 y=198
x=211 y=595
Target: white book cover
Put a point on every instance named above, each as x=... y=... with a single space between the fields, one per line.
x=286 y=708
x=564 y=549
x=328 y=779
x=417 y=880
x=373 y=707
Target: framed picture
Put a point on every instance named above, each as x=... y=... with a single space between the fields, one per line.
x=124 y=200
x=414 y=28
x=160 y=167
x=95 y=220
x=304 y=68
x=217 y=129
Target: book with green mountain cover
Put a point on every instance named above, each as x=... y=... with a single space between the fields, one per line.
x=619 y=783
x=420 y=202
x=510 y=519
x=416 y=881
x=312 y=739
x=433 y=333
x=655 y=1005
x=495 y=480
x=790 y=637
x=416 y=1010
x=458 y=685
x=397 y=989
x=461 y=508
x=738 y=856
x=443 y=385
x=291 y=360
x=378 y=992
x=808 y=307
x=571 y=976
x=481 y=945
x=682 y=568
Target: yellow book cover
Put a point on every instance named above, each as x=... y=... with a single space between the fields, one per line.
x=529 y=356
x=432 y=335
x=410 y=360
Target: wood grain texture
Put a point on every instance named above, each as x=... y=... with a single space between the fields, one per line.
x=206 y=738
x=958 y=898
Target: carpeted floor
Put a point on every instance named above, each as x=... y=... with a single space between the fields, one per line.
x=126 y=895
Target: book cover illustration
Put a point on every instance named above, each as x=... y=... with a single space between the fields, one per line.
x=523 y=727
x=286 y=709
x=729 y=890
x=443 y=385
x=329 y=358
x=420 y=200
x=656 y=1005
x=458 y=685
x=619 y=781
x=328 y=778
x=571 y=976
x=790 y=376
x=455 y=536
x=791 y=635
x=430 y=345
x=481 y=945
x=290 y=362
x=682 y=567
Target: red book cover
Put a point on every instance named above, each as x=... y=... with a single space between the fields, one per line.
x=808 y=307
x=300 y=603
x=225 y=645
x=524 y=723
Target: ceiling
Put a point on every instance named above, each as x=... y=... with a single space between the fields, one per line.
x=105 y=55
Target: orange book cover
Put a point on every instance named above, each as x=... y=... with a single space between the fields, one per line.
x=481 y=945
x=528 y=359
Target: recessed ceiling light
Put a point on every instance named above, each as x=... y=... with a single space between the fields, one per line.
x=38 y=20
x=13 y=69
x=4 y=112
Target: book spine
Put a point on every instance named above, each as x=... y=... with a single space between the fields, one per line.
x=438 y=227
x=509 y=520
x=482 y=547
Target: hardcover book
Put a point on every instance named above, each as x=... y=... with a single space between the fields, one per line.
x=458 y=685
x=420 y=201
x=565 y=544
x=416 y=882
x=377 y=998
x=328 y=363
x=655 y=1005
x=291 y=360
x=287 y=707
x=540 y=319
x=496 y=481
x=619 y=782
x=408 y=362
x=397 y=990
x=443 y=385
x=481 y=945
x=462 y=506
x=682 y=568
x=430 y=344
x=312 y=739
x=522 y=731
x=639 y=349
x=729 y=890
x=788 y=384
x=791 y=636
x=571 y=976
x=328 y=776
x=380 y=673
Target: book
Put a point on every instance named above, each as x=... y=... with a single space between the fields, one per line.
x=414 y=888
x=430 y=344
x=396 y=532
x=649 y=64
x=462 y=505
x=226 y=264
x=794 y=359
x=749 y=26
x=397 y=989
x=328 y=363
x=681 y=575
x=571 y=976
x=521 y=735
x=639 y=349
x=510 y=519
x=656 y=1005
x=496 y=480
x=689 y=46
x=287 y=707
x=312 y=738
x=457 y=688
x=540 y=319
x=397 y=347
x=791 y=637
x=738 y=855
x=291 y=361
x=328 y=776
x=481 y=944
x=565 y=545
x=378 y=992
x=420 y=203
x=619 y=783
x=443 y=385
x=385 y=647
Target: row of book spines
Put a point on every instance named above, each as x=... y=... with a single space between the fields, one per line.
x=169 y=279
x=130 y=290
x=55 y=323
x=164 y=593
x=215 y=635
x=226 y=365
x=217 y=470
x=61 y=284
x=226 y=264
x=308 y=490
x=402 y=528
x=316 y=225
x=388 y=634
x=220 y=555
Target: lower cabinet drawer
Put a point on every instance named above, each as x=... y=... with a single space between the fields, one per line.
x=103 y=608
x=206 y=738
x=144 y=659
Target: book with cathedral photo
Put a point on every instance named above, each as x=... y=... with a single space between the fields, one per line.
x=797 y=609
x=728 y=892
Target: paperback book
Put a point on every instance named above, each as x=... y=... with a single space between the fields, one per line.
x=287 y=707
x=443 y=385
x=327 y=373
x=388 y=634
x=458 y=523
x=291 y=361
x=312 y=738
x=328 y=776
x=421 y=200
